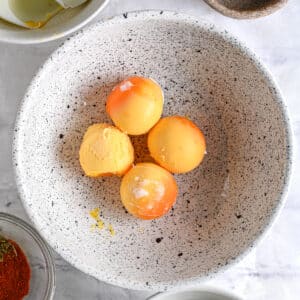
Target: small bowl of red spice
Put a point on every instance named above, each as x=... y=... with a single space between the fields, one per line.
x=27 y=269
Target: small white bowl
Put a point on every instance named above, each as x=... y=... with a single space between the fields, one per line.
x=247 y=9
x=204 y=293
x=62 y=24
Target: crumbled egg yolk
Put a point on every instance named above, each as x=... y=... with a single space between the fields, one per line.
x=111 y=230
x=95 y=214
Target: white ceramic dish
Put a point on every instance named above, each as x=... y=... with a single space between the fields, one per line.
x=59 y=26
x=223 y=206
x=204 y=293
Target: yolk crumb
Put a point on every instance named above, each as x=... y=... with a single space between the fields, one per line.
x=100 y=224
x=111 y=230
x=95 y=213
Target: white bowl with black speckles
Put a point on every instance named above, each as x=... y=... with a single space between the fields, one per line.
x=59 y=26
x=223 y=206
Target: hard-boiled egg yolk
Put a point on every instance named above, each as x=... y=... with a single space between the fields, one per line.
x=148 y=191
x=135 y=105
x=105 y=150
x=177 y=144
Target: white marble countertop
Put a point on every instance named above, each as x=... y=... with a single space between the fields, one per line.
x=272 y=270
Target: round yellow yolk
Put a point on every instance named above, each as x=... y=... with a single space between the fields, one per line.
x=135 y=105
x=105 y=150
x=177 y=144
x=148 y=191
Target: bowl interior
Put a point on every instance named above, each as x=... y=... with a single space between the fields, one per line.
x=222 y=206
x=37 y=253
x=60 y=25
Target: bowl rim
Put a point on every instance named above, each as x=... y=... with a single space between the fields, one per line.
x=246 y=14
x=53 y=37
x=45 y=249
x=235 y=42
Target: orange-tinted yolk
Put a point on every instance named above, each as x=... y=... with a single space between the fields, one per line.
x=148 y=191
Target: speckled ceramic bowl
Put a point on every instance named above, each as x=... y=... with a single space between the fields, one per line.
x=223 y=206
x=246 y=9
x=62 y=24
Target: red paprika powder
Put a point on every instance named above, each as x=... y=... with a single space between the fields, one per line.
x=14 y=271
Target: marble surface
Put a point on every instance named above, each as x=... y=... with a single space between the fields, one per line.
x=272 y=270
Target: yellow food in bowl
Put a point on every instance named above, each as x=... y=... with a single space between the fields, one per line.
x=148 y=191
x=135 y=105
x=105 y=150
x=177 y=144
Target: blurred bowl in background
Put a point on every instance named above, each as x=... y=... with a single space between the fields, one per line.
x=62 y=24
x=204 y=293
x=246 y=9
